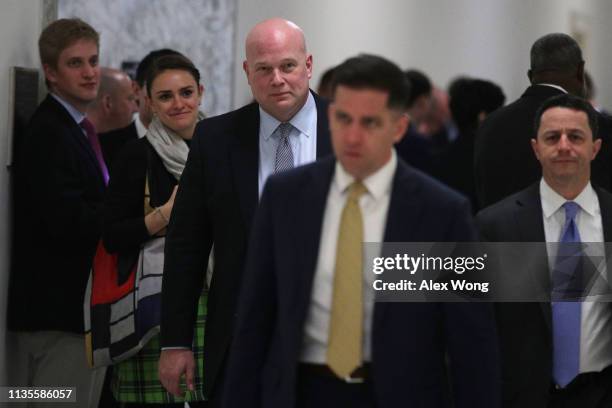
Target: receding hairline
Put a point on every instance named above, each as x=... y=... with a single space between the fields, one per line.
x=272 y=26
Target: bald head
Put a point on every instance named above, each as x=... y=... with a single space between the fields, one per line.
x=115 y=103
x=278 y=67
x=111 y=81
x=273 y=32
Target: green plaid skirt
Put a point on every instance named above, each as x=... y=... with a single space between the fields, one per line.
x=136 y=379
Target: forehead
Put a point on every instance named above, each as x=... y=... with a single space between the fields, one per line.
x=172 y=78
x=84 y=48
x=361 y=101
x=274 y=45
x=564 y=118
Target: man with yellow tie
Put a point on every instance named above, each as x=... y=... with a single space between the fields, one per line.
x=309 y=332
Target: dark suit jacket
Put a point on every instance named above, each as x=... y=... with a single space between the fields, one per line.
x=215 y=204
x=504 y=160
x=409 y=339
x=58 y=195
x=525 y=328
x=112 y=142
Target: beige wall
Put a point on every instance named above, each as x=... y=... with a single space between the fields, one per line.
x=20 y=26
x=444 y=38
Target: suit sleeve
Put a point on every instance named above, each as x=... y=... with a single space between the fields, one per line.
x=188 y=244
x=472 y=339
x=124 y=225
x=256 y=313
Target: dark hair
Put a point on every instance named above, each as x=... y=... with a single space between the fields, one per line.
x=555 y=52
x=571 y=102
x=61 y=34
x=147 y=61
x=419 y=85
x=469 y=97
x=371 y=71
x=589 y=86
x=325 y=84
x=167 y=62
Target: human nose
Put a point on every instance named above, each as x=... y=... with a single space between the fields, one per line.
x=564 y=143
x=277 y=77
x=89 y=71
x=177 y=102
x=354 y=134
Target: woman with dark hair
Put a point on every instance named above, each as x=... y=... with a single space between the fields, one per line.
x=138 y=206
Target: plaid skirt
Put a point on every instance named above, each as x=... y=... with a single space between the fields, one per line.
x=136 y=379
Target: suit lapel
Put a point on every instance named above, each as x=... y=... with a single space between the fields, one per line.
x=405 y=205
x=528 y=217
x=78 y=138
x=605 y=204
x=323 y=136
x=311 y=202
x=245 y=162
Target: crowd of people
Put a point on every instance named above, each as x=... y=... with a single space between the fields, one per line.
x=258 y=218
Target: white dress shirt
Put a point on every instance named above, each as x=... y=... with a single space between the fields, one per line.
x=374 y=207
x=302 y=138
x=74 y=113
x=141 y=129
x=596 y=317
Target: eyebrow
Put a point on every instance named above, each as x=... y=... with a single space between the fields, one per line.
x=170 y=90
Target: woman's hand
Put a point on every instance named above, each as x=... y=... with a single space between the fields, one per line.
x=157 y=221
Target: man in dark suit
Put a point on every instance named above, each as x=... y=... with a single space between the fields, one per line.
x=502 y=141
x=112 y=111
x=545 y=363
x=309 y=332
x=59 y=188
x=230 y=158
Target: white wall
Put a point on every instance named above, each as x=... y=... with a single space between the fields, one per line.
x=20 y=25
x=444 y=38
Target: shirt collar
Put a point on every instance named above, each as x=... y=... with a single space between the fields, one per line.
x=141 y=129
x=554 y=86
x=302 y=120
x=74 y=113
x=552 y=201
x=377 y=184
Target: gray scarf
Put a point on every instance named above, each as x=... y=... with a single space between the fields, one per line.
x=170 y=147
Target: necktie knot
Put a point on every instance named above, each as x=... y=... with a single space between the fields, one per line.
x=571 y=209
x=356 y=190
x=283 y=130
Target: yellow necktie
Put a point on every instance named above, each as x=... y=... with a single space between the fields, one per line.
x=344 y=348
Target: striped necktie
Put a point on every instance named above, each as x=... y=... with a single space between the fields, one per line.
x=284 y=154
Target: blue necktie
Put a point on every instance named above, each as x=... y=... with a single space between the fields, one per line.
x=566 y=314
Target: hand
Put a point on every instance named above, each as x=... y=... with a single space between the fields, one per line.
x=167 y=208
x=172 y=365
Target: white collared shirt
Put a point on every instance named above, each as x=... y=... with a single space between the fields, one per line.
x=302 y=138
x=74 y=113
x=141 y=129
x=596 y=317
x=374 y=207
x=553 y=86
